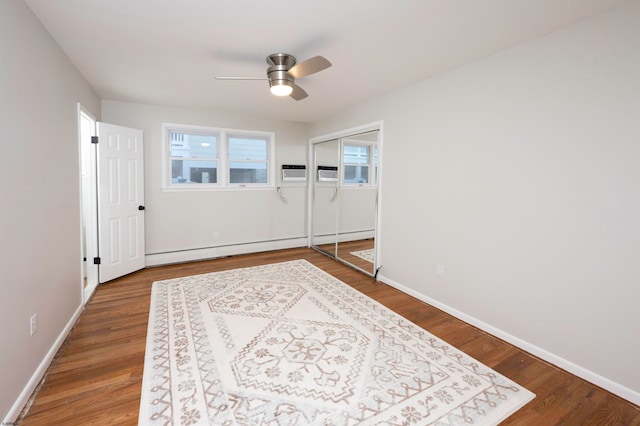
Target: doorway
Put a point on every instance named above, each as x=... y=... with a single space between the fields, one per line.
x=88 y=202
x=112 y=201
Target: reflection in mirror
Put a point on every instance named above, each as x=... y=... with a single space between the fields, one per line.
x=353 y=203
x=325 y=195
x=359 y=189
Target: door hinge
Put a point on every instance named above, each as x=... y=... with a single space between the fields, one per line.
x=94 y=139
x=96 y=260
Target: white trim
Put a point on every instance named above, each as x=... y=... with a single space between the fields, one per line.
x=588 y=375
x=88 y=207
x=310 y=192
x=35 y=379
x=369 y=127
x=234 y=187
x=180 y=256
x=343 y=238
x=378 y=259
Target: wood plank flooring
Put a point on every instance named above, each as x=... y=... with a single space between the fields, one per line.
x=96 y=376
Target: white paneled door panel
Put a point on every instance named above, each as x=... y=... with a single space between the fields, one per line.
x=120 y=201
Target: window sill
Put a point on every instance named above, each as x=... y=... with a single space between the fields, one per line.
x=218 y=188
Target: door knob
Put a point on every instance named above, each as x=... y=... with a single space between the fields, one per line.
x=140 y=207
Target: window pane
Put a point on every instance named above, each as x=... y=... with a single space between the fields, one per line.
x=364 y=174
x=356 y=164
x=176 y=171
x=247 y=148
x=356 y=174
x=194 y=171
x=356 y=154
x=203 y=175
x=248 y=172
x=193 y=145
x=349 y=173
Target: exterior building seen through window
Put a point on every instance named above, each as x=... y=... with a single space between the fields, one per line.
x=194 y=158
x=215 y=158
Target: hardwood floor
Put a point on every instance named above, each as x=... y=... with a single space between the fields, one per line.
x=96 y=376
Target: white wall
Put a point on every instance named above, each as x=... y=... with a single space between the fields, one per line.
x=40 y=247
x=520 y=174
x=181 y=225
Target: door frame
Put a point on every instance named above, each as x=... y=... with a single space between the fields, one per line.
x=88 y=203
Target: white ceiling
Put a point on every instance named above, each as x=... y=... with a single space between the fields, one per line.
x=167 y=52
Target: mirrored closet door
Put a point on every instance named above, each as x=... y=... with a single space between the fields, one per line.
x=344 y=199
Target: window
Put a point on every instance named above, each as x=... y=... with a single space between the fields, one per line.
x=194 y=157
x=209 y=158
x=248 y=159
x=356 y=161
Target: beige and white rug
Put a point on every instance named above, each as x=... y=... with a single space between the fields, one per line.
x=364 y=254
x=288 y=344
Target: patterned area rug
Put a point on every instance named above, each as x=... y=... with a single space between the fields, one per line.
x=364 y=254
x=288 y=344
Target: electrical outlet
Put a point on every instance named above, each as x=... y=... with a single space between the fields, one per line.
x=33 y=324
x=440 y=270
x=216 y=234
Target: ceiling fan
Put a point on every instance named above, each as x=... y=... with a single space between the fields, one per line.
x=283 y=71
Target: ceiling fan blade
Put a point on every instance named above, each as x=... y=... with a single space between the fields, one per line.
x=310 y=66
x=241 y=78
x=298 y=92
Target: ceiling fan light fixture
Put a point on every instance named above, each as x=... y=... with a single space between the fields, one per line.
x=281 y=87
x=283 y=71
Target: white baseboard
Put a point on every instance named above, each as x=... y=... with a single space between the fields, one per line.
x=343 y=238
x=221 y=251
x=31 y=386
x=588 y=375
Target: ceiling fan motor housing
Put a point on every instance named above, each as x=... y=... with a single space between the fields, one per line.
x=277 y=73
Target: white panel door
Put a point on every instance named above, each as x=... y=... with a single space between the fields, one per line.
x=120 y=201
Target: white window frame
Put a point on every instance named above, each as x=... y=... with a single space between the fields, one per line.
x=223 y=163
x=268 y=161
x=169 y=159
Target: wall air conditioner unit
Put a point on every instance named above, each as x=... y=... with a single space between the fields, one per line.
x=294 y=173
x=327 y=174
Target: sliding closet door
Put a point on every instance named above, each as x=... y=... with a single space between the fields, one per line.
x=357 y=215
x=326 y=196
x=345 y=197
